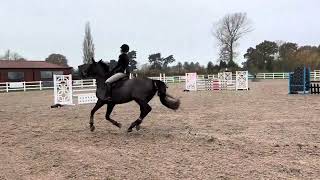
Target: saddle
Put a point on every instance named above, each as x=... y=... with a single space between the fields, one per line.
x=112 y=86
x=119 y=82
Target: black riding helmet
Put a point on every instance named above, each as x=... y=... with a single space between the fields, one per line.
x=124 y=48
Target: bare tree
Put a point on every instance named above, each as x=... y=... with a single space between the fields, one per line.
x=88 y=46
x=16 y=56
x=228 y=31
x=7 y=55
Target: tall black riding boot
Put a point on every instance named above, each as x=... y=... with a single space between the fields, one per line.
x=108 y=92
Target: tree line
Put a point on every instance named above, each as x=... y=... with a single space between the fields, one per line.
x=152 y=69
x=269 y=56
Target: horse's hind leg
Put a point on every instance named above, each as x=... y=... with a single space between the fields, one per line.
x=109 y=111
x=144 y=110
x=98 y=105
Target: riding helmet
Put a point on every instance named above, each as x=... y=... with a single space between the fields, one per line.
x=124 y=48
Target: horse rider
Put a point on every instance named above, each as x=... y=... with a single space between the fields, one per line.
x=119 y=71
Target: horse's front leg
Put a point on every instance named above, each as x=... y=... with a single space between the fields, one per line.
x=98 y=105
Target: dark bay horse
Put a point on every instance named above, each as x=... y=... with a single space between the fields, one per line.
x=140 y=90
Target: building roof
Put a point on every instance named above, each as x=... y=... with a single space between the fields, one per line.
x=10 y=64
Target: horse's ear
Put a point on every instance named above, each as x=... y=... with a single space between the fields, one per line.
x=93 y=61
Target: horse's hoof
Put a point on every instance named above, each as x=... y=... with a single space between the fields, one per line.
x=138 y=127
x=92 y=128
x=129 y=130
x=119 y=125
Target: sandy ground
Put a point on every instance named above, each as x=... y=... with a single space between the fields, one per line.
x=260 y=134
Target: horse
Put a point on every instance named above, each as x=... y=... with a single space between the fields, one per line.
x=140 y=90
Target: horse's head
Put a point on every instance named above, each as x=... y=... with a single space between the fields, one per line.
x=94 y=69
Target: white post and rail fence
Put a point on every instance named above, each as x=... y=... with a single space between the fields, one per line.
x=85 y=83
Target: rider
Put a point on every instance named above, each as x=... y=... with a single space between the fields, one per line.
x=119 y=71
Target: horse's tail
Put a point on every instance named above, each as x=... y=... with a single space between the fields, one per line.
x=166 y=99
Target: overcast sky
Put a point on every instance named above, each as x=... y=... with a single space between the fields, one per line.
x=37 y=28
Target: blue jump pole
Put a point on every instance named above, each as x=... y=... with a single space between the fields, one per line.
x=304 y=79
x=289 y=83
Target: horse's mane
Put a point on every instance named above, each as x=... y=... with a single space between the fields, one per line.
x=104 y=66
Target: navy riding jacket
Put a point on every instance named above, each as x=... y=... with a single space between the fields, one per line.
x=123 y=64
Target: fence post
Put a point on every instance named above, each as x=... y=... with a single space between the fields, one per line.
x=7 y=86
x=283 y=76
x=40 y=85
x=24 y=86
x=272 y=75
